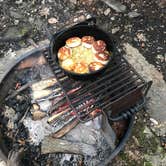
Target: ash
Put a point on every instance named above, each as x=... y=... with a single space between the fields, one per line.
x=38 y=129
x=89 y=133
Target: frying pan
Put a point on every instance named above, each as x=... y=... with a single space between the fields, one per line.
x=86 y=28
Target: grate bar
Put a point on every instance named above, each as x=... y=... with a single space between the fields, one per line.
x=108 y=87
x=90 y=87
x=115 y=83
x=106 y=94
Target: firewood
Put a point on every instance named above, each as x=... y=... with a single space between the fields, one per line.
x=52 y=145
x=43 y=84
x=30 y=62
x=55 y=116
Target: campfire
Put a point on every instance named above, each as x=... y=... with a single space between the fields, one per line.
x=56 y=119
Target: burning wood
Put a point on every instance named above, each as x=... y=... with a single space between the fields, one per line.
x=33 y=61
x=55 y=116
x=43 y=84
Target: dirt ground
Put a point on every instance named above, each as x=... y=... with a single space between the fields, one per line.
x=142 y=24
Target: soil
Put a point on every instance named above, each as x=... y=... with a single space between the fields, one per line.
x=142 y=25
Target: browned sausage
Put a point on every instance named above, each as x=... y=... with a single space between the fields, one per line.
x=87 y=41
x=98 y=46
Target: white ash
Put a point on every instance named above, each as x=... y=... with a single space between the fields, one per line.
x=45 y=105
x=38 y=129
x=90 y=132
x=86 y=132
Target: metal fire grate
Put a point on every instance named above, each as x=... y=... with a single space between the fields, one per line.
x=117 y=89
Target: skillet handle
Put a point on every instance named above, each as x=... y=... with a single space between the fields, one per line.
x=91 y=22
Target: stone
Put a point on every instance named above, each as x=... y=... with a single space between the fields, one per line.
x=155 y=122
x=161 y=57
x=87 y=2
x=107 y=11
x=133 y=14
x=3 y=163
x=156 y=104
x=18 y=2
x=16 y=22
x=112 y=18
x=79 y=19
x=52 y=20
x=31 y=20
x=15 y=33
x=115 y=4
x=15 y=14
x=88 y=16
x=73 y=2
x=162 y=3
x=115 y=30
x=141 y=37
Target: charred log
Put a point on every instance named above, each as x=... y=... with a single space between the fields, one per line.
x=52 y=145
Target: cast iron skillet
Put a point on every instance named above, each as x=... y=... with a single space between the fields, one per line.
x=86 y=28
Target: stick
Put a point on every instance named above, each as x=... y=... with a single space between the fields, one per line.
x=65 y=129
x=54 y=117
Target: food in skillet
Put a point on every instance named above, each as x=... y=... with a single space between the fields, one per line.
x=83 y=55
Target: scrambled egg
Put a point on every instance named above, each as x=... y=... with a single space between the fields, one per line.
x=82 y=54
